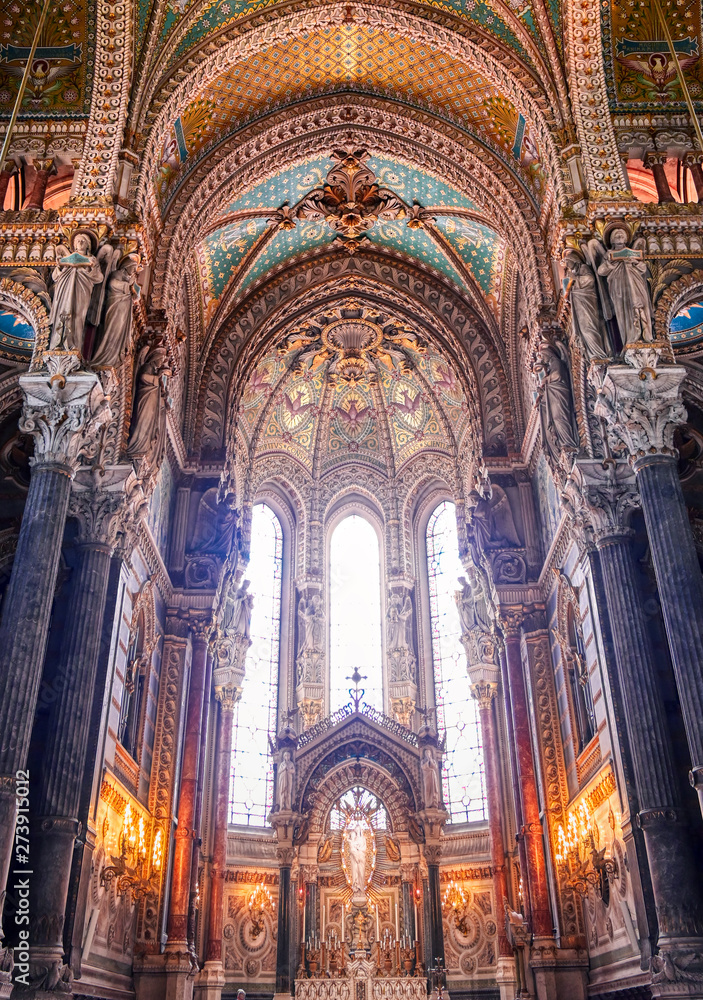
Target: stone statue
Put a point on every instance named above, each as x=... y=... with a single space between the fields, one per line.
x=582 y=292
x=122 y=291
x=215 y=524
x=491 y=519
x=399 y=612
x=465 y=605
x=626 y=273
x=556 y=402
x=430 y=781
x=75 y=276
x=310 y=624
x=286 y=781
x=357 y=860
x=237 y=611
x=148 y=435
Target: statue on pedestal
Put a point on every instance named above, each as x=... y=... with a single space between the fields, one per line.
x=122 y=291
x=148 y=435
x=286 y=782
x=430 y=781
x=625 y=270
x=75 y=278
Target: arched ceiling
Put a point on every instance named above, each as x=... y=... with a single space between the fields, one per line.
x=452 y=243
x=353 y=384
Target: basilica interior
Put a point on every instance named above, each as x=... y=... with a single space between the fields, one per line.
x=351 y=499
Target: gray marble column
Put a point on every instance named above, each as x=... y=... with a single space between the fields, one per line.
x=605 y=495
x=63 y=411
x=102 y=514
x=641 y=401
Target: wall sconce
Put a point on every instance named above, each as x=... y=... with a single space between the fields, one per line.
x=577 y=854
x=131 y=869
x=454 y=899
x=260 y=902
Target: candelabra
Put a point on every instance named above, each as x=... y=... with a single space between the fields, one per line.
x=578 y=855
x=260 y=902
x=454 y=901
x=134 y=870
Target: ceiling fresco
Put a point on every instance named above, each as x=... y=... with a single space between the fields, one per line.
x=244 y=251
x=640 y=70
x=323 y=397
x=221 y=13
x=61 y=74
x=357 y=59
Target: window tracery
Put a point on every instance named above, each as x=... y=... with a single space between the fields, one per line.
x=463 y=783
x=251 y=786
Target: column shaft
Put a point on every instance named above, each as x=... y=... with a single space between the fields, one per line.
x=283 y=940
x=183 y=841
x=671 y=861
x=219 y=848
x=436 y=925
x=527 y=787
x=24 y=630
x=680 y=584
x=197 y=819
x=490 y=759
x=65 y=753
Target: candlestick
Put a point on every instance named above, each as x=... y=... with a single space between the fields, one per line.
x=396 y=921
x=377 y=923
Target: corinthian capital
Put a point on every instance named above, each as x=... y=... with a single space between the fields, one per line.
x=108 y=505
x=600 y=498
x=63 y=410
x=641 y=402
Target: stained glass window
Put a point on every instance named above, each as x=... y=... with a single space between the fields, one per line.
x=355 y=611
x=251 y=787
x=463 y=782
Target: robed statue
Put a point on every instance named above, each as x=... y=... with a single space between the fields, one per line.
x=625 y=271
x=148 y=436
x=556 y=405
x=286 y=782
x=75 y=278
x=581 y=290
x=122 y=292
x=430 y=781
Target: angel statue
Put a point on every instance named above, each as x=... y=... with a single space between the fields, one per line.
x=625 y=271
x=581 y=289
x=75 y=278
x=556 y=406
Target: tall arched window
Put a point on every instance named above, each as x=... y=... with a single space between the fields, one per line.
x=457 y=714
x=251 y=789
x=355 y=611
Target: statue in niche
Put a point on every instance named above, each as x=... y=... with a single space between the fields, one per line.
x=491 y=519
x=399 y=612
x=556 y=405
x=430 y=781
x=581 y=289
x=357 y=860
x=310 y=623
x=465 y=605
x=215 y=524
x=286 y=781
x=75 y=277
x=324 y=851
x=122 y=291
x=148 y=437
x=236 y=616
x=625 y=271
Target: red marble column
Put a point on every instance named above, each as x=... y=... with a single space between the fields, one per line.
x=197 y=820
x=6 y=175
x=44 y=169
x=177 y=927
x=226 y=698
x=655 y=162
x=536 y=874
x=484 y=694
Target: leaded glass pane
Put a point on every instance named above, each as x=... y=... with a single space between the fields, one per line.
x=457 y=713
x=355 y=611
x=251 y=788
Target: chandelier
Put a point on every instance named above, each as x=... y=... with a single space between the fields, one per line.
x=136 y=870
x=583 y=865
x=455 y=901
x=260 y=903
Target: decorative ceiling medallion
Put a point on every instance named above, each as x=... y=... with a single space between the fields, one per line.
x=351 y=200
x=354 y=342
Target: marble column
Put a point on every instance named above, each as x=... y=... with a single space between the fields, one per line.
x=63 y=411
x=606 y=495
x=436 y=928
x=179 y=959
x=44 y=170
x=6 y=175
x=656 y=162
x=284 y=822
x=531 y=832
x=102 y=515
x=211 y=979
x=641 y=402
x=197 y=819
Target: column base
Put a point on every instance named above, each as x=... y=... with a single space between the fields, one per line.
x=678 y=972
x=543 y=962
x=5 y=985
x=180 y=973
x=506 y=978
x=210 y=981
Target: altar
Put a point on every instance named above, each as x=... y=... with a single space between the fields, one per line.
x=361 y=981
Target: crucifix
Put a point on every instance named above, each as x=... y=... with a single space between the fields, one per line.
x=356 y=694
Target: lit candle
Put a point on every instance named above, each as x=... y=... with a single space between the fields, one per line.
x=396 y=921
x=323 y=919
